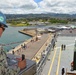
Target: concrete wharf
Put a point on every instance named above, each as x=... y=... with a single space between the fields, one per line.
x=34 y=47
x=30 y=32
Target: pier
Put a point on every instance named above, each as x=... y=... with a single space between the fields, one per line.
x=34 y=48
x=29 y=32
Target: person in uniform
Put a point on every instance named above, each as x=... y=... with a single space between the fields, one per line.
x=63 y=71
x=4 y=68
x=62 y=47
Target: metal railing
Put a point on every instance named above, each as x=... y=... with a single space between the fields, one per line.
x=44 y=56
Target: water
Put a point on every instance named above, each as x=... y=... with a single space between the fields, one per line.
x=10 y=35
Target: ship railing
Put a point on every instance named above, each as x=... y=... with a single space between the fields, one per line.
x=44 y=57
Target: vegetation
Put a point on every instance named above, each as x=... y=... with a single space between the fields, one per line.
x=54 y=20
x=46 y=20
x=18 y=22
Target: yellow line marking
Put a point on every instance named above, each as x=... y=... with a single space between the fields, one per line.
x=58 y=62
x=52 y=61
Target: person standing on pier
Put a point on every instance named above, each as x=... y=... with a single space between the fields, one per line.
x=4 y=68
x=62 y=47
x=63 y=71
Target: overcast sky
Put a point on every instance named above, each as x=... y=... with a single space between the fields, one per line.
x=37 y=6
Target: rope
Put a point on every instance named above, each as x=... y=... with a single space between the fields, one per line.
x=11 y=43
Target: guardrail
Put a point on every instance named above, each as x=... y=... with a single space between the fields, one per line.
x=44 y=56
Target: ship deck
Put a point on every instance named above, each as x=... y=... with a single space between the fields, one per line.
x=59 y=58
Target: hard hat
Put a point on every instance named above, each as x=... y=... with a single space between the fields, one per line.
x=2 y=20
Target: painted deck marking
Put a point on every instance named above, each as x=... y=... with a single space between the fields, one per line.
x=52 y=61
x=58 y=62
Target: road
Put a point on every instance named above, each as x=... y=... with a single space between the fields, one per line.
x=59 y=58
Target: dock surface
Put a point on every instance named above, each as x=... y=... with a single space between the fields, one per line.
x=33 y=47
x=29 y=32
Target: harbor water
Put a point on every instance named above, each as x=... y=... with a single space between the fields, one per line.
x=11 y=35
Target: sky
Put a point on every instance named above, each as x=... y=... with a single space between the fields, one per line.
x=37 y=1
x=38 y=6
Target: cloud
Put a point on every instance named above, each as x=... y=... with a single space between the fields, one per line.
x=59 y=6
x=30 y=6
x=17 y=6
